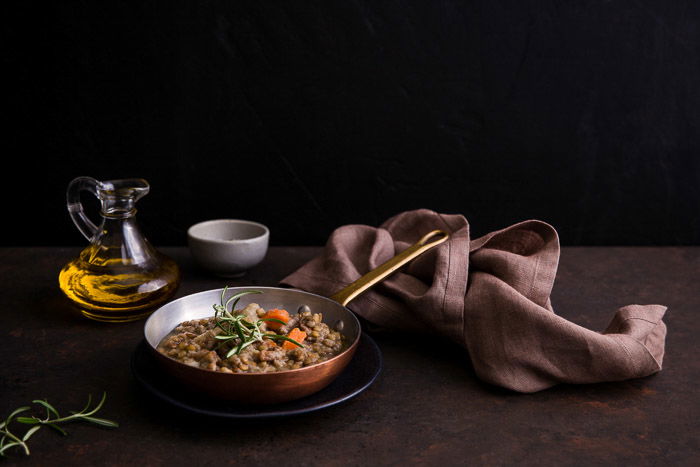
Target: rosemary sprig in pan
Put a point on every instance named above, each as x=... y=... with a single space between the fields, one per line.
x=239 y=331
x=10 y=440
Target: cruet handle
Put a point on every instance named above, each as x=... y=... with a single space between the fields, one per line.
x=75 y=207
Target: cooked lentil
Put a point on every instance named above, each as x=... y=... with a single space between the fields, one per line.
x=193 y=343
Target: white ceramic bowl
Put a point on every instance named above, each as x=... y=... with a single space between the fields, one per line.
x=228 y=247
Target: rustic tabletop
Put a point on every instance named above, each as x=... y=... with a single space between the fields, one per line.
x=425 y=407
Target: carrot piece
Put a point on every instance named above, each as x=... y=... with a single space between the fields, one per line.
x=296 y=334
x=275 y=313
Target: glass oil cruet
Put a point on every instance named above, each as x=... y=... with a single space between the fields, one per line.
x=119 y=277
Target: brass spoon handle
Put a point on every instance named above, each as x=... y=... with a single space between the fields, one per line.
x=382 y=271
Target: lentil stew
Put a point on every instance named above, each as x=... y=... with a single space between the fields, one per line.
x=282 y=344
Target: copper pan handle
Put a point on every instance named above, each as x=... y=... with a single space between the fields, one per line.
x=384 y=270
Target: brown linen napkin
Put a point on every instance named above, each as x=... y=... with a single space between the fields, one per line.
x=489 y=295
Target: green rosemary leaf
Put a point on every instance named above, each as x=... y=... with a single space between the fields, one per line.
x=236 y=297
x=7 y=446
x=87 y=406
x=223 y=293
x=244 y=345
x=101 y=421
x=12 y=415
x=224 y=338
x=247 y=324
x=50 y=408
x=30 y=432
x=99 y=405
x=28 y=420
x=283 y=338
x=239 y=330
x=58 y=428
x=274 y=320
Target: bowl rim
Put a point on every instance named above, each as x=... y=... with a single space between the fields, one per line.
x=352 y=345
x=191 y=235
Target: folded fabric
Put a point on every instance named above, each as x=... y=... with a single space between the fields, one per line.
x=489 y=295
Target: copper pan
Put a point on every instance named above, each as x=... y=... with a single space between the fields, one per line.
x=281 y=386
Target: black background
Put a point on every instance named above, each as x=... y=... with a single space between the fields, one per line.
x=312 y=114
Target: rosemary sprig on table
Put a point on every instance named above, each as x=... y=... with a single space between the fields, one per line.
x=10 y=440
x=235 y=326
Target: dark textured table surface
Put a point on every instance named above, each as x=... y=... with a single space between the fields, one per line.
x=426 y=407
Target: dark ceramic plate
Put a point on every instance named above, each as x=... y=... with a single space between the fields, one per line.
x=357 y=376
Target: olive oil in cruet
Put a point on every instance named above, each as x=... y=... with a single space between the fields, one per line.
x=120 y=276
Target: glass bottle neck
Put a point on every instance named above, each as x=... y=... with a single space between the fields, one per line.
x=120 y=234
x=114 y=207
